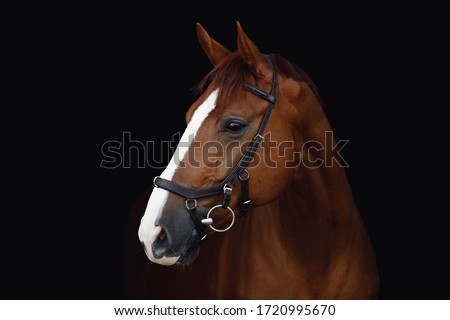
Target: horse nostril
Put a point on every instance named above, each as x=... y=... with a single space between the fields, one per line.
x=162 y=244
x=162 y=235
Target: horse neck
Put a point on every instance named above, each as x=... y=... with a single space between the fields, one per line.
x=315 y=212
x=320 y=188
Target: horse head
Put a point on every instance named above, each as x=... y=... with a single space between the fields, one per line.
x=240 y=148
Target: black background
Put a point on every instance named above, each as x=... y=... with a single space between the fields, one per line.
x=93 y=73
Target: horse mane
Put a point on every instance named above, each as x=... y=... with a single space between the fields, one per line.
x=230 y=74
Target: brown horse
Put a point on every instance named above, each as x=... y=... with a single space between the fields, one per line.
x=257 y=136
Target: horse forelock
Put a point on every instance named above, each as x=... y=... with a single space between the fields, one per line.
x=232 y=73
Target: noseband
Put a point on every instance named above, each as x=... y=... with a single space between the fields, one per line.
x=239 y=172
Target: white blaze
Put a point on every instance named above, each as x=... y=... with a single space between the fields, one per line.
x=148 y=232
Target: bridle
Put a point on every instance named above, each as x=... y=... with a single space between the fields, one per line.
x=238 y=172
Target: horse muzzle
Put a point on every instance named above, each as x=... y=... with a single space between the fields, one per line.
x=170 y=239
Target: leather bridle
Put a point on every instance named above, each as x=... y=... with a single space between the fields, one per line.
x=238 y=172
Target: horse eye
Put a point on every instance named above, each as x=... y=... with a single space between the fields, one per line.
x=235 y=126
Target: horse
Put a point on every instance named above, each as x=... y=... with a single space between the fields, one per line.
x=255 y=203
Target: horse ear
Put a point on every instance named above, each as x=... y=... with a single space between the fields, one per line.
x=214 y=50
x=252 y=56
